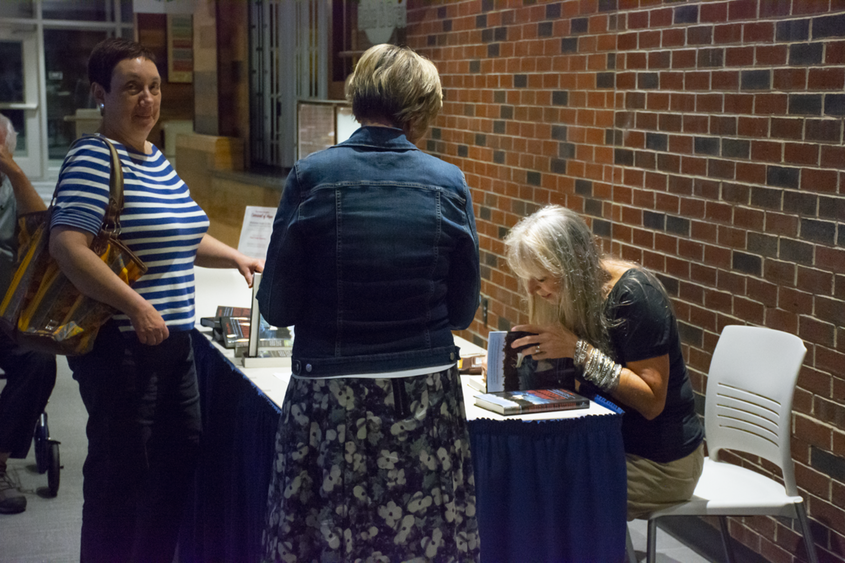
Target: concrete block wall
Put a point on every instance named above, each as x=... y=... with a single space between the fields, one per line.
x=703 y=139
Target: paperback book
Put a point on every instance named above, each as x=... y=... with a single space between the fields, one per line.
x=532 y=400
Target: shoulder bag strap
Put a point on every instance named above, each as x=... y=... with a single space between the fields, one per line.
x=111 y=221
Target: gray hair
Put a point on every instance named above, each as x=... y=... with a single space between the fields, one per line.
x=11 y=134
x=556 y=242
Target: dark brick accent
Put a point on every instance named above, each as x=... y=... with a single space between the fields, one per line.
x=447 y=25
x=566 y=150
x=481 y=139
x=765 y=197
x=492 y=50
x=686 y=14
x=735 y=148
x=670 y=284
x=592 y=207
x=601 y=228
x=608 y=5
x=559 y=132
x=499 y=157
x=735 y=193
x=613 y=137
x=755 y=80
x=481 y=21
x=657 y=141
x=821 y=232
x=569 y=45
x=431 y=145
x=436 y=133
x=579 y=25
x=499 y=96
x=827 y=463
x=623 y=157
x=648 y=80
x=829 y=26
x=690 y=334
x=793 y=30
x=486 y=35
x=558 y=166
x=500 y=34
x=707 y=145
x=800 y=203
x=584 y=187
x=506 y=112
x=469 y=110
x=502 y=232
x=611 y=61
x=802 y=54
x=709 y=58
x=499 y=127
x=485 y=213
x=605 y=80
x=553 y=11
x=503 y=324
x=767 y=245
x=652 y=220
x=796 y=251
x=747 y=263
x=783 y=177
x=463 y=151
x=560 y=97
x=491 y=260
x=475 y=66
x=520 y=80
x=545 y=29
x=534 y=178
x=441 y=12
x=677 y=225
x=832 y=208
x=840 y=239
x=431 y=40
x=805 y=104
x=834 y=104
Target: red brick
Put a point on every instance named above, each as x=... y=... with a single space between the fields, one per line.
x=758 y=32
x=694 y=124
x=816 y=332
x=766 y=151
x=833 y=157
x=834 y=53
x=673 y=38
x=782 y=320
x=826 y=79
x=800 y=7
x=782 y=273
x=789 y=78
x=748 y=310
x=779 y=224
x=739 y=56
x=740 y=103
x=751 y=219
x=725 y=80
x=661 y=18
x=787 y=128
x=713 y=12
x=755 y=127
x=763 y=291
x=770 y=104
x=750 y=172
x=725 y=34
x=717 y=257
x=806 y=154
x=830 y=258
x=742 y=10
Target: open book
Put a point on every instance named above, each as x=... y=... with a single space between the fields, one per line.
x=509 y=370
x=532 y=400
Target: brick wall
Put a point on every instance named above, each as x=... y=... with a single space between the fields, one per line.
x=703 y=139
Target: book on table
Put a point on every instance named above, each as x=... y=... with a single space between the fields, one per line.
x=531 y=400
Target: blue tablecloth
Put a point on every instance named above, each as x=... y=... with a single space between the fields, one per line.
x=550 y=491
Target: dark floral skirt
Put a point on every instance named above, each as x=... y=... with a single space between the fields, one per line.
x=359 y=476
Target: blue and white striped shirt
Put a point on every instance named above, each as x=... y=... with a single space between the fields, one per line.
x=160 y=222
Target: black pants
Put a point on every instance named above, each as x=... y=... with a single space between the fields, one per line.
x=143 y=430
x=30 y=377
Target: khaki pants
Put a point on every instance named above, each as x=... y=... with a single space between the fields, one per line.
x=652 y=485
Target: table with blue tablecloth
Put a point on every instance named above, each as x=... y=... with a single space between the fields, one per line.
x=550 y=489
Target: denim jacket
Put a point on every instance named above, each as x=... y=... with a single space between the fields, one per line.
x=373 y=258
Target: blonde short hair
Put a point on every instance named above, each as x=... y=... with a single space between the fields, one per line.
x=11 y=135
x=397 y=84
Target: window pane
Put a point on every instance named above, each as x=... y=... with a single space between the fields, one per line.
x=11 y=72
x=89 y=10
x=66 y=59
x=16 y=9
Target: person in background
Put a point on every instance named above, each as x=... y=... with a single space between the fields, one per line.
x=30 y=376
x=616 y=321
x=139 y=382
x=374 y=259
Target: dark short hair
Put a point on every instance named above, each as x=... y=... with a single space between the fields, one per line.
x=108 y=53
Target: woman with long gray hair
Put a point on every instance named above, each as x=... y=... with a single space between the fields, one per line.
x=615 y=320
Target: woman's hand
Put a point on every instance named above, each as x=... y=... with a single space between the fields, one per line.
x=214 y=254
x=148 y=324
x=248 y=266
x=548 y=342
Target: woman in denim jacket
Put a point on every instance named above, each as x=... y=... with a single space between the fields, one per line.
x=374 y=259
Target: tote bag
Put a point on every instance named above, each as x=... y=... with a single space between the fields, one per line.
x=42 y=310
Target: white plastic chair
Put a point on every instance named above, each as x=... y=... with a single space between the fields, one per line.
x=749 y=403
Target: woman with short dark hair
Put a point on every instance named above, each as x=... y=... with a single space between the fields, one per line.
x=374 y=259
x=139 y=382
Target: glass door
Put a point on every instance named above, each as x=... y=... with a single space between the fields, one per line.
x=19 y=96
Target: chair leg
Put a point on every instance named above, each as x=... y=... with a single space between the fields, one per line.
x=629 y=546
x=805 y=529
x=726 y=539
x=651 y=542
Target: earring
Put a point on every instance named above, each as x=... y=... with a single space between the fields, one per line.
x=102 y=108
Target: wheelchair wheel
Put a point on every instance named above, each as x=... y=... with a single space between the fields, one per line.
x=42 y=444
x=54 y=467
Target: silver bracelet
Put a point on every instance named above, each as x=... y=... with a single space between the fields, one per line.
x=600 y=369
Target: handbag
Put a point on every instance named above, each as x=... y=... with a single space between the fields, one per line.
x=42 y=310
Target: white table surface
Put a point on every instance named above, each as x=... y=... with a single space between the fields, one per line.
x=227 y=287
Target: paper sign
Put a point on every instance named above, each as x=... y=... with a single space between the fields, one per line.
x=256 y=231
